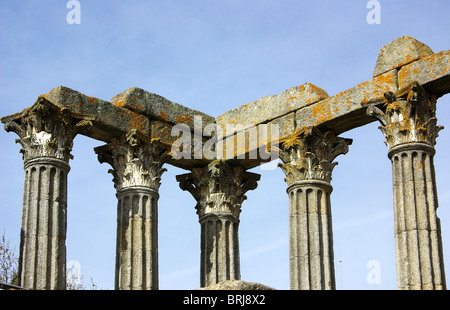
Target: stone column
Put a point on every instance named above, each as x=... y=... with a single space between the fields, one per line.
x=46 y=136
x=408 y=122
x=308 y=164
x=137 y=171
x=219 y=190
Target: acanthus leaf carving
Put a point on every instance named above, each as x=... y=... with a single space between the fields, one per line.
x=409 y=116
x=45 y=130
x=311 y=156
x=134 y=161
x=218 y=188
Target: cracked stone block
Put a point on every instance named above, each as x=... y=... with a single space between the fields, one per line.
x=271 y=107
x=345 y=111
x=108 y=119
x=400 y=52
x=433 y=72
x=157 y=107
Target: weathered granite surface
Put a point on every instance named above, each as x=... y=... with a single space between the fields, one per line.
x=433 y=72
x=157 y=107
x=108 y=121
x=271 y=107
x=400 y=52
x=399 y=64
x=345 y=110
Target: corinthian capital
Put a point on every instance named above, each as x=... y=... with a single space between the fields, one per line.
x=135 y=162
x=408 y=116
x=45 y=130
x=218 y=188
x=309 y=155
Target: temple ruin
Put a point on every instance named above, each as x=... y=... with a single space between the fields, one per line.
x=137 y=129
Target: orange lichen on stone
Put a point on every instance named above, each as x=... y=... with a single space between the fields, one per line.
x=183 y=119
x=316 y=110
x=400 y=52
x=163 y=116
x=119 y=103
x=321 y=111
x=92 y=99
x=137 y=121
x=382 y=83
x=426 y=69
x=343 y=104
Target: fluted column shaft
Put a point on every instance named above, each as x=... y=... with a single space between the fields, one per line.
x=408 y=122
x=219 y=246
x=308 y=164
x=46 y=135
x=42 y=257
x=137 y=239
x=311 y=236
x=219 y=191
x=137 y=170
x=417 y=227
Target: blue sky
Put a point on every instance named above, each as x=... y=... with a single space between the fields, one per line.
x=212 y=56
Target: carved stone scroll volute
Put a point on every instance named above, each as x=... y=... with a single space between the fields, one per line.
x=310 y=155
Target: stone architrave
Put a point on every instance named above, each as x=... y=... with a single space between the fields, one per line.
x=409 y=124
x=219 y=190
x=308 y=164
x=137 y=171
x=46 y=135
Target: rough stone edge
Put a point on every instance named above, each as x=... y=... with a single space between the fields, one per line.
x=433 y=72
x=288 y=101
x=400 y=52
x=158 y=107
